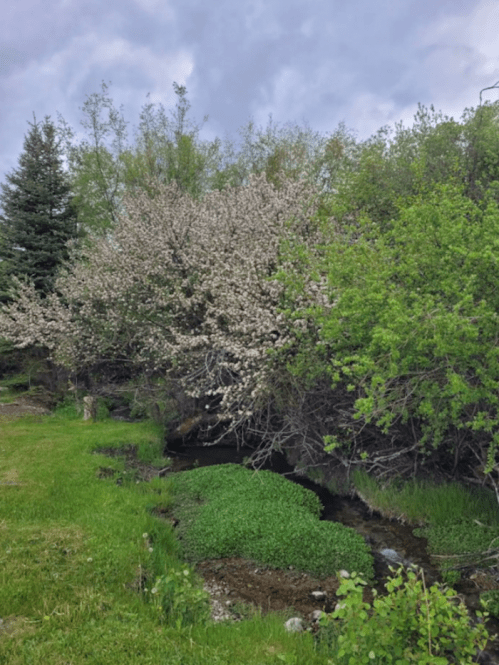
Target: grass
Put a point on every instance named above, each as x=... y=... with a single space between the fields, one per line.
x=77 y=554
x=228 y=510
x=455 y=519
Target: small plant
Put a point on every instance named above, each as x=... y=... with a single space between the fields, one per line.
x=490 y=602
x=181 y=599
x=450 y=576
x=411 y=624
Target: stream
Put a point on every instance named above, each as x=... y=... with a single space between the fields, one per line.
x=391 y=542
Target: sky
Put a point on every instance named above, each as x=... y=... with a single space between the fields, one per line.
x=364 y=63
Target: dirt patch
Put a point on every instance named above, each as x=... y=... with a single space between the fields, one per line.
x=14 y=625
x=137 y=470
x=21 y=407
x=238 y=581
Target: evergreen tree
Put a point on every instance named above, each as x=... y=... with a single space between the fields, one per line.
x=38 y=216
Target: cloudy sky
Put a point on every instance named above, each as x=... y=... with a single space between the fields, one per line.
x=366 y=63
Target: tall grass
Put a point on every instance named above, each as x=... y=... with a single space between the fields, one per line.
x=460 y=523
x=423 y=502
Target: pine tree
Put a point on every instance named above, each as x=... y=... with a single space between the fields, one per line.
x=38 y=216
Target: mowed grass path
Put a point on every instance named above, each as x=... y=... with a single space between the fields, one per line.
x=77 y=553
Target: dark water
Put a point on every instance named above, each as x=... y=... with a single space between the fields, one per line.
x=391 y=542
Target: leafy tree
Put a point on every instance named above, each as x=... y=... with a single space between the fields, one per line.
x=96 y=171
x=106 y=166
x=395 y=164
x=412 y=333
x=167 y=150
x=38 y=216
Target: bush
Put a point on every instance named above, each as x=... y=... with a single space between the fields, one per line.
x=411 y=624
x=490 y=602
x=412 y=333
x=230 y=511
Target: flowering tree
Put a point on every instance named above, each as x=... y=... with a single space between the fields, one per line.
x=181 y=287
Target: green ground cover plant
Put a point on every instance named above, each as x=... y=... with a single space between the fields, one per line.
x=410 y=624
x=80 y=557
x=228 y=510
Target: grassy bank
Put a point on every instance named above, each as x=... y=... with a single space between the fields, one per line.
x=88 y=574
x=79 y=555
x=459 y=522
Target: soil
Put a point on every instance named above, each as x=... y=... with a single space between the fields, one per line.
x=21 y=407
x=240 y=585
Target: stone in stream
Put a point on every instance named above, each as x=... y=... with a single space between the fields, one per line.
x=394 y=557
x=318 y=595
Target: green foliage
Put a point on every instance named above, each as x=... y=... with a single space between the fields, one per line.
x=489 y=600
x=230 y=511
x=467 y=538
x=450 y=576
x=38 y=215
x=413 y=328
x=169 y=151
x=410 y=624
x=179 y=596
x=17 y=382
x=458 y=521
x=105 y=166
x=398 y=163
x=209 y=483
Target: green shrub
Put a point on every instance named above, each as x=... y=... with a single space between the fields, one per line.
x=412 y=332
x=230 y=511
x=449 y=575
x=489 y=600
x=411 y=624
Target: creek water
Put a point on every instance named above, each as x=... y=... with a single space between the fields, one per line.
x=391 y=541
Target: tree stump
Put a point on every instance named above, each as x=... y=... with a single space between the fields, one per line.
x=89 y=408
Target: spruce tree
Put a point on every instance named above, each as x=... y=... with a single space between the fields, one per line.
x=38 y=216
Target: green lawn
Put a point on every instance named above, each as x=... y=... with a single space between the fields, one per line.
x=79 y=554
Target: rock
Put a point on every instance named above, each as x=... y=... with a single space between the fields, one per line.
x=344 y=574
x=318 y=595
x=294 y=625
x=316 y=615
x=394 y=557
